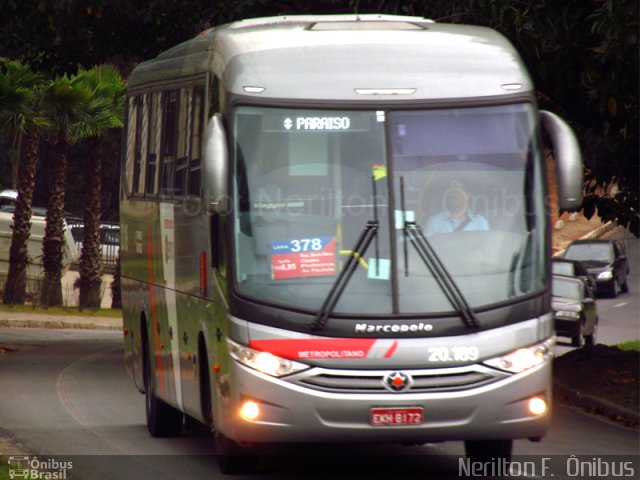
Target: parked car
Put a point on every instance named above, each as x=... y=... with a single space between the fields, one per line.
x=573 y=268
x=605 y=260
x=8 y=200
x=575 y=311
x=35 y=269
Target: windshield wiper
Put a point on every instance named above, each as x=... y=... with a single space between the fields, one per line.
x=369 y=232
x=430 y=258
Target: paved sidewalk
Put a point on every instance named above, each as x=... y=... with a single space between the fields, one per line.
x=574 y=227
x=45 y=320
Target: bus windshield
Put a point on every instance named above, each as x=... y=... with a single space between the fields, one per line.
x=308 y=182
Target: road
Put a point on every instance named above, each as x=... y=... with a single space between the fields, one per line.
x=65 y=393
x=620 y=317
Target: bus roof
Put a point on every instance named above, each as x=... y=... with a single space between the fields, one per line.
x=346 y=57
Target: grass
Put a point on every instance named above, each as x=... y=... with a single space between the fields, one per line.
x=630 y=345
x=4 y=469
x=103 y=312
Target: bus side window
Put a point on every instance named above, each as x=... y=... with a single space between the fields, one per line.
x=151 y=168
x=183 y=144
x=217 y=97
x=131 y=165
x=169 y=141
x=197 y=112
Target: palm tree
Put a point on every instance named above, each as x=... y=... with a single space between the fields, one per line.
x=21 y=113
x=108 y=89
x=70 y=105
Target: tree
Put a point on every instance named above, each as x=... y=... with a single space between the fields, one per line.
x=107 y=89
x=70 y=103
x=21 y=112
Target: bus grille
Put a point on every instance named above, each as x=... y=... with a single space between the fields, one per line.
x=422 y=382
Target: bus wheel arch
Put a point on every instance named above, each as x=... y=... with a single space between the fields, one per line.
x=204 y=382
x=231 y=456
x=163 y=420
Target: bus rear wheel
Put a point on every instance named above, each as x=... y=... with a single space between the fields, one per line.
x=163 y=420
x=488 y=450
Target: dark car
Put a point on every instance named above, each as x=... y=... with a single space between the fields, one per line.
x=605 y=260
x=574 y=309
x=573 y=268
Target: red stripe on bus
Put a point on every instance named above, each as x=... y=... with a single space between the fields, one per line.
x=203 y=274
x=315 y=348
x=391 y=350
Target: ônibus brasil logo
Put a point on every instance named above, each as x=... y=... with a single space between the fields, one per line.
x=34 y=468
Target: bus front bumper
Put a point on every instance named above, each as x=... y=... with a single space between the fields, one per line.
x=290 y=412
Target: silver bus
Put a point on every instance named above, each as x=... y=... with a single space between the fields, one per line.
x=335 y=229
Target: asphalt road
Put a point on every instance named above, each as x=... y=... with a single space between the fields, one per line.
x=620 y=317
x=65 y=393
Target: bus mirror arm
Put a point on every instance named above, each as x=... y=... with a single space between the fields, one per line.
x=568 y=160
x=220 y=206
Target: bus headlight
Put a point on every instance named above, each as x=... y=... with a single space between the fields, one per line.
x=605 y=275
x=264 y=362
x=523 y=358
x=567 y=314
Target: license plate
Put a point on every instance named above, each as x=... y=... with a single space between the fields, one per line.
x=396 y=416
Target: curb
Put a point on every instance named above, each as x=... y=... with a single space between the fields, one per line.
x=598 y=405
x=598 y=232
x=83 y=323
x=607 y=227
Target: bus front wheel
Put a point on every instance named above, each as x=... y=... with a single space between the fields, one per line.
x=488 y=450
x=232 y=457
x=162 y=419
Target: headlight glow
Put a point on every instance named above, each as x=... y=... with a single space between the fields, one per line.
x=264 y=362
x=567 y=314
x=523 y=358
x=250 y=410
x=537 y=405
x=605 y=275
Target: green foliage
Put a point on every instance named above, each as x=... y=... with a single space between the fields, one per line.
x=20 y=89
x=21 y=110
x=630 y=345
x=104 y=109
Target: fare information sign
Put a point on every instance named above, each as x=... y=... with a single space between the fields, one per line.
x=303 y=257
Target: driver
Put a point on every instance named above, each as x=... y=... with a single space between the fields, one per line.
x=457 y=215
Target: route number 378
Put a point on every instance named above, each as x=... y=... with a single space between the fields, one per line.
x=453 y=354
x=305 y=245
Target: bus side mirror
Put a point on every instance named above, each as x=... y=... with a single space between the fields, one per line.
x=215 y=168
x=566 y=151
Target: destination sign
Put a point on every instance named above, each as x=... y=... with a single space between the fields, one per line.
x=318 y=122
